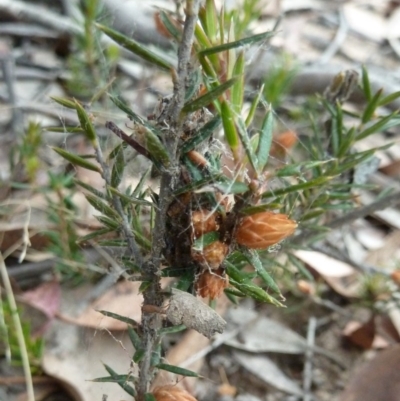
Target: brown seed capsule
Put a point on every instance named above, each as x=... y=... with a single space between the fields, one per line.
x=212 y=255
x=203 y=222
x=211 y=284
x=172 y=393
x=261 y=230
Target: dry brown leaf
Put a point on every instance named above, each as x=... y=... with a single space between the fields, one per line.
x=364 y=335
x=340 y=276
x=123 y=299
x=377 y=380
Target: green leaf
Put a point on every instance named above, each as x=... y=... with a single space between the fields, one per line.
x=207 y=239
x=76 y=160
x=238 y=43
x=102 y=207
x=254 y=105
x=123 y=319
x=134 y=337
x=254 y=259
x=232 y=187
x=177 y=370
x=149 y=397
x=171 y=330
x=300 y=267
x=366 y=86
x=92 y=190
x=70 y=104
x=211 y=20
x=107 y=222
x=389 y=98
x=130 y=390
x=118 y=168
x=202 y=135
x=371 y=107
x=244 y=138
x=170 y=26
x=264 y=143
x=316 y=182
x=85 y=122
x=95 y=234
x=136 y=48
x=154 y=146
x=114 y=379
x=299 y=168
x=228 y=122
x=237 y=90
x=129 y=199
x=209 y=97
x=138 y=355
x=65 y=128
x=144 y=285
x=262 y=207
x=383 y=124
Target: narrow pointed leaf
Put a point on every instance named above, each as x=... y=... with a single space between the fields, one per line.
x=209 y=97
x=102 y=207
x=170 y=26
x=114 y=379
x=172 y=330
x=254 y=105
x=298 y=187
x=95 y=234
x=86 y=124
x=70 y=104
x=389 y=98
x=65 y=128
x=118 y=168
x=299 y=168
x=244 y=138
x=134 y=337
x=237 y=90
x=383 y=124
x=202 y=135
x=129 y=389
x=254 y=259
x=129 y=199
x=238 y=43
x=371 y=107
x=366 y=86
x=149 y=397
x=135 y=48
x=76 y=160
x=177 y=370
x=92 y=190
x=264 y=143
x=228 y=122
x=121 y=318
x=207 y=239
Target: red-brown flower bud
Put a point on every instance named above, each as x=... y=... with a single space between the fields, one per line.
x=211 y=284
x=261 y=230
x=212 y=255
x=203 y=222
x=172 y=393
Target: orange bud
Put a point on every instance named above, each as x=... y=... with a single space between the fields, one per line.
x=172 y=393
x=196 y=158
x=261 y=230
x=203 y=222
x=395 y=275
x=305 y=287
x=212 y=255
x=211 y=284
x=282 y=143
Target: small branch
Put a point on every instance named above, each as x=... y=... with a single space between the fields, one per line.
x=18 y=329
x=151 y=322
x=128 y=139
x=132 y=245
x=389 y=201
x=307 y=373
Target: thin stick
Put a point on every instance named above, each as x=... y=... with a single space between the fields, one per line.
x=307 y=373
x=18 y=329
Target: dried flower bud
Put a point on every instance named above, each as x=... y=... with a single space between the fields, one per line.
x=172 y=393
x=203 y=222
x=305 y=287
x=212 y=255
x=261 y=230
x=282 y=143
x=395 y=275
x=211 y=284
